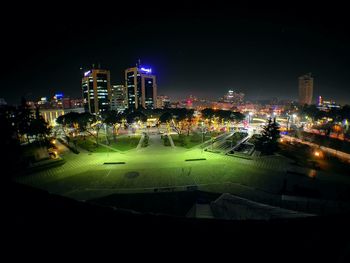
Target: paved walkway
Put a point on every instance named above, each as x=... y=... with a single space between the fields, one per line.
x=341 y=155
x=155 y=142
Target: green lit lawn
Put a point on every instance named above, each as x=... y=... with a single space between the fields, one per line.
x=85 y=177
x=125 y=143
x=90 y=145
x=190 y=141
x=121 y=144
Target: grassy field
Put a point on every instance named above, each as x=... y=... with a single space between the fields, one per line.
x=125 y=143
x=90 y=145
x=190 y=141
x=121 y=144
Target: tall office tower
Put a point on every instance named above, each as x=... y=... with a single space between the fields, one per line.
x=306 y=86
x=234 y=97
x=96 y=90
x=141 y=88
x=119 y=98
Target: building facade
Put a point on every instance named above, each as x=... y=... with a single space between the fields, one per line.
x=50 y=115
x=236 y=98
x=96 y=88
x=163 y=102
x=141 y=88
x=306 y=86
x=119 y=98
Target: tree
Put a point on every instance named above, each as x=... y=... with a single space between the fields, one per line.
x=166 y=117
x=179 y=116
x=267 y=143
x=9 y=143
x=135 y=116
x=237 y=116
x=38 y=127
x=189 y=117
x=87 y=121
x=23 y=118
x=69 y=120
x=208 y=114
x=114 y=119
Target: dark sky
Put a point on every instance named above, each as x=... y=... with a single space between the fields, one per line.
x=202 y=50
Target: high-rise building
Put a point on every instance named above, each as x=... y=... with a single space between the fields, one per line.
x=306 y=86
x=326 y=105
x=141 y=88
x=66 y=103
x=96 y=89
x=234 y=97
x=119 y=98
x=163 y=102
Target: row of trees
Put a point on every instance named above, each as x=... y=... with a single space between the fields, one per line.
x=73 y=123
x=183 y=119
x=19 y=124
x=24 y=123
x=180 y=119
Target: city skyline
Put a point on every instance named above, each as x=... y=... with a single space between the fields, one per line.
x=199 y=51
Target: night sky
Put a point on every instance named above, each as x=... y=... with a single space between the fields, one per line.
x=201 y=50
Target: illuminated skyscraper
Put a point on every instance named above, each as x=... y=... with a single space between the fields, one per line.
x=119 y=98
x=306 y=86
x=234 y=97
x=96 y=90
x=141 y=88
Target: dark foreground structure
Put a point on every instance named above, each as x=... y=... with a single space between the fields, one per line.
x=42 y=222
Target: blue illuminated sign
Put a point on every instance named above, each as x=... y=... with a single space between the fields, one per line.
x=59 y=96
x=147 y=70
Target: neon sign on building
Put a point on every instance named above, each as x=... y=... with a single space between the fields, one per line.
x=146 y=70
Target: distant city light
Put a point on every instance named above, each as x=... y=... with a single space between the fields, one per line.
x=59 y=96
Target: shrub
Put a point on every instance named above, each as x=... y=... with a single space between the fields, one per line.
x=145 y=141
x=166 y=141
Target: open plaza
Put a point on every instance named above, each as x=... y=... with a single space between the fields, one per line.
x=273 y=180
